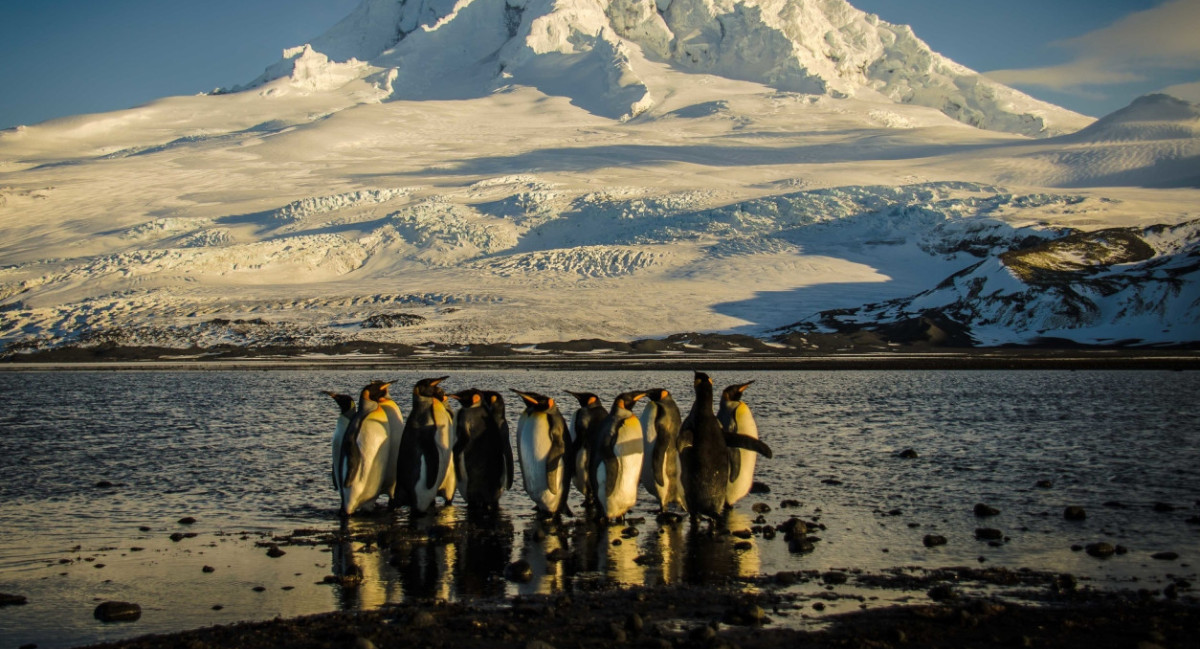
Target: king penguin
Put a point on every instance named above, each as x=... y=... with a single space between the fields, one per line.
x=425 y=449
x=450 y=481
x=584 y=443
x=704 y=454
x=379 y=393
x=661 y=422
x=365 y=452
x=541 y=449
x=346 y=405
x=620 y=464
x=479 y=459
x=736 y=419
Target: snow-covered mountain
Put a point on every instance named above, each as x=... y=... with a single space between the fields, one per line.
x=488 y=172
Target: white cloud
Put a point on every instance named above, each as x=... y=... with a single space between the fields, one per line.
x=1186 y=91
x=1131 y=49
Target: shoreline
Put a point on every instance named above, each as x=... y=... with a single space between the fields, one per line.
x=725 y=615
x=973 y=359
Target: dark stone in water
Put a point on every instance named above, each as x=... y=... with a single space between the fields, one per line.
x=519 y=571
x=1075 y=547
x=793 y=527
x=761 y=508
x=178 y=536
x=941 y=593
x=1165 y=556
x=259 y=589
x=422 y=620
x=11 y=600
x=982 y=510
x=933 y=540
x=908 y=454
x=1044 y=484
x=834 y=577
x=742 y=546
x=831 y=481
x=786 y=504
x=742 y=534
x=759 y=488
x=1074 y=513
x=629 y=532
x=274 y=552
x=1164 y=507
x=208 y=569
x=187 y=520
x=988 y=534
x=117 y=612
x=144 y=528
x=801 y=545
x=104 y=484
x=1100 y=550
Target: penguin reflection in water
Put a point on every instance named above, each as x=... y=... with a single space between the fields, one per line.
x=483 y=456
x=618 y=466
x=361 y=450
x=541 y=449
x=704 y=453
x=425 y=451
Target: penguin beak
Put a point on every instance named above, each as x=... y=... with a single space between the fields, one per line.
x=742 y=388
x=528 y=399
x=434 y=382
x=455 y=397
x=636 y=397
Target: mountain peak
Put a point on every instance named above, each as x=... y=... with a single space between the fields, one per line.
x=596 y=53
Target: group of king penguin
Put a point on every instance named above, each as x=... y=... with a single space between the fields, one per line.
x=702 y=463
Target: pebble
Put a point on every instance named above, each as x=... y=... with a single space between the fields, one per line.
x=933 y=540
x=760 y=508
x=1165 y=556
x=785 y=504
x=208 y=569
x=908 y=454
x=759 y=488
x=988 y=534
x=941 y=593
x=12 y=600
x=117 y=612
x=982 y=510
x=742 y=546
x=1074 y=513
x=274 y=552
x=187 y=520
x=1100 y=550
x=834 y=577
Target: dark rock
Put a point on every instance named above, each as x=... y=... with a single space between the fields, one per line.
x=218 y=607
x=785 y=504
x=275 y=552
x=1101 y=550
x=117 y=612
x=1121 y=549
x=422 y=620
x=757 y=487
x=742 y=546
x=1044 y=484
x=630 y=532
x=742 y=534
x=1075 y=547
x=760 y=508
x=208 y=569
x=1165 y=556
x=538 y=644
x=942 y=592
x=1065 y=583
x=831 y=481
x=793 y=527
x=12 y=600
x=933 y=540
x=801 y=545
x=187 y=520
x=178 y=536
x=1074 y=513
x=520 y=571
x=834 y=577
x=634 y=623
x=144 y=528
x=104 y=484
x=259 y=589
x=908 y=454
x=818 y=606
x=768 y=533
x=988 y=534
x=982 y=510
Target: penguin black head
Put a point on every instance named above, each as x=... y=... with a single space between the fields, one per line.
x=535 y=401
x=585 y=398
x=494 y=401
x=657 y=394
x=627 y=399
x=701 y=378
x=468 y=398
x=379 y=390
x=734 y=392
x=344 y=401
x=429 y=388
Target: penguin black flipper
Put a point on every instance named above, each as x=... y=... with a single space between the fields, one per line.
x=748 y=443
x=660 y=464
x=433 y=459
x=508 y=462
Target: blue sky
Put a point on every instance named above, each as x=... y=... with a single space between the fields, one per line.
x=66 y=57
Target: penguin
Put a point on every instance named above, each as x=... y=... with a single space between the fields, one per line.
x=583 y=442
x=620 y=457
x=379 y=393
x=494 y=403
x=425 y=447
x=483 y=473
x=704 y=454
x=541 y=449
x=450 y=481
x=736 y=419
x=365 y=451
x=346 y=405
x=661 y=422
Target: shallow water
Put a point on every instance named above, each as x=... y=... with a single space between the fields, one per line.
x=246 y=454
